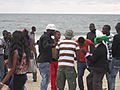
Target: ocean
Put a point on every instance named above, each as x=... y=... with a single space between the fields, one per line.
x=79 y=23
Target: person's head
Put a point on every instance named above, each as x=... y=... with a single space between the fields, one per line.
x=106 y=30
x=50 y=28
x=33 y=28
x=5 y=33
x=81 y=41
x=117 y=27
x=9 y=35
x=25 y=33
x=92 y=27
x=69 y=34
x=18 y=43
x=98 y=40
x=57 y=35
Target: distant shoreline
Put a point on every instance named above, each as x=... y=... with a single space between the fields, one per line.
x=60 y=13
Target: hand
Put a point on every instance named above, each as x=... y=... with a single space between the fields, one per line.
x=1 y=86
x=54 y=44
x=6 y=62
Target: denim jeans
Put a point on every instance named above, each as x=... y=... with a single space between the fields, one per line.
x=115 y=69
x=108 y=75
x=44 y=69
x=2 y=72
x=81 y=66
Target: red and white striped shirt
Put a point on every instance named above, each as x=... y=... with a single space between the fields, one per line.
x=67 y=50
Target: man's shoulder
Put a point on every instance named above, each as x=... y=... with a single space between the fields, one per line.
x=117 y=36
x=44 y=36
x=2 y=40
x=88 y=41
x=90 y=34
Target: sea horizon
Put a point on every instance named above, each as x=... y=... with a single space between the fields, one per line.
x=78 y=22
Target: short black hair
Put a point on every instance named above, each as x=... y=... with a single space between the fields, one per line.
x=57 y=31
x=33 y=27
x=81 y=40
x=108 y=26
x=4 y=32
x=117 y=26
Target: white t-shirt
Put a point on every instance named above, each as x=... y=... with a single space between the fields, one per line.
x=99 y=33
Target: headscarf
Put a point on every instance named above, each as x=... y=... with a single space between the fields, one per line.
x=100 y=39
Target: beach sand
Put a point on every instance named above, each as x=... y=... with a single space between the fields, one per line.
x=30 y=85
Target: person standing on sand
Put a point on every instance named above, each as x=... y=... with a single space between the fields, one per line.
x=116 y=56
x=91 y=35
x=18 y=61
x=33 y=50
x=67 y=49
x=54 y=63
x=2 y=47
x=45 y=45
x=99 y=62
x=82 y=63
x=106 y=31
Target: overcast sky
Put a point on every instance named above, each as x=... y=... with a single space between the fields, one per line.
x=60 y=6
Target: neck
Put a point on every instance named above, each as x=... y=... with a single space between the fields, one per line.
x=56 y=40
x=32 y=31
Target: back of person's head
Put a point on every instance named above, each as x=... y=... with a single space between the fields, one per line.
x=101 y=39
x=81 y=40
x=98 y=40
x=17 y=34
x=25 y=33
x=69 y=34
x=117 y=27
x=18 y=43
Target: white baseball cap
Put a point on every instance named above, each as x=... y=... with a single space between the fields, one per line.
x=51 y=27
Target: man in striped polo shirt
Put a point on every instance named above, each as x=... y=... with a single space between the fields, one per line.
x=67 y=49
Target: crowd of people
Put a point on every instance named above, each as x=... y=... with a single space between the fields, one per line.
x=98 y=53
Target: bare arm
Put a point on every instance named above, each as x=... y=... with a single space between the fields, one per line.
x=12 y=69
x=77 y=54
x=57 y=54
